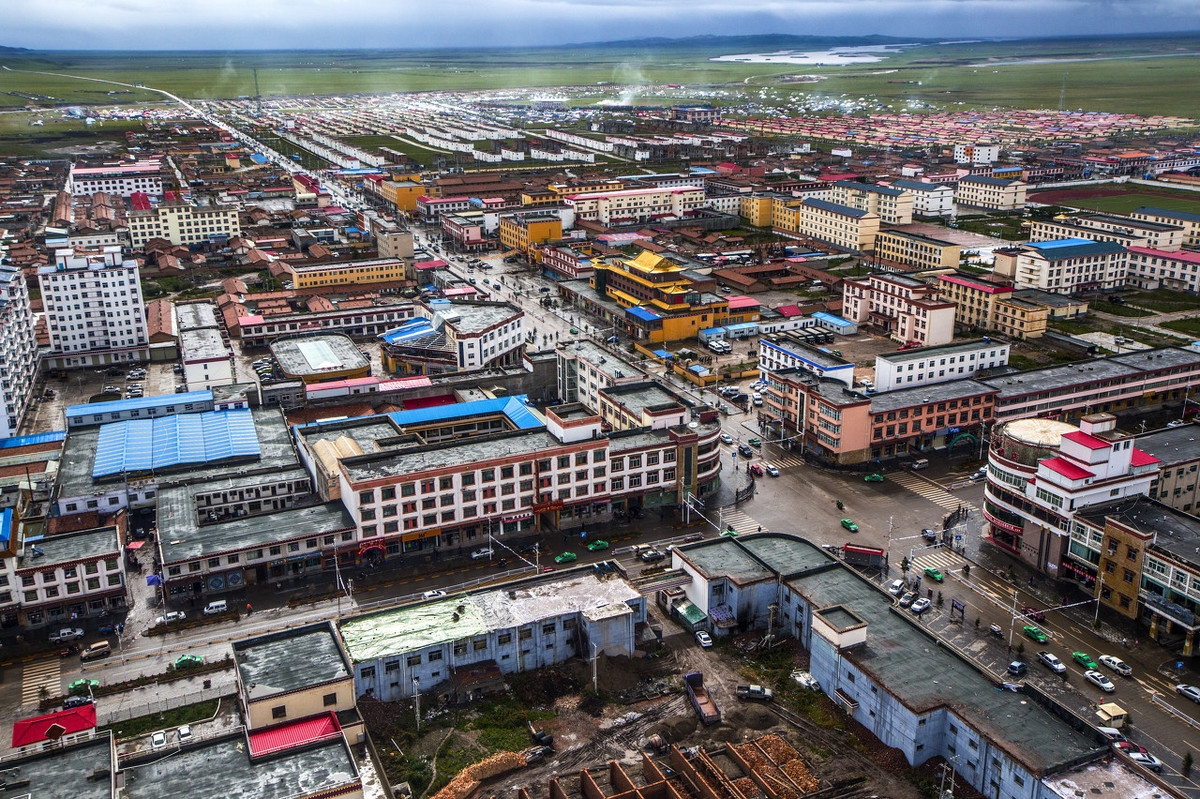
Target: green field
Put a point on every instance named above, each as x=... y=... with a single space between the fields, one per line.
x=1126 y=203
x=59 y=136
x=1126 y=74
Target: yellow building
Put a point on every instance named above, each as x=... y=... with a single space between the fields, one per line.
x=849 y=228
x=893 y=206
x=916 y=250
x=998 y=194
x=401 y=194
x=535 y=197
x=662 y=303
x=183 y=223
x=600 y=185
x=979 y=305
x=756 y=209
x=381 y=270
x=527 y=232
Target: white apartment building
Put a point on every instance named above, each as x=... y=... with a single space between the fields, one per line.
x=1124 y=230
x=1164 y=216
x=120 y=179
x=849 y=228
x=183 y=223
x=997 y=194
x=893 y=206
x=976 y=153
x=928 y=365
x=1150 y=268
x=59 y=580
x=585 y=368
x=906 y=309
x=929 y=199
x=18 y=349
x=631 y=206
x=1041 y=473
x=1065 y=266
x=94 y=309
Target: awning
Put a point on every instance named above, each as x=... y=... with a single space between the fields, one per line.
x=135 y=545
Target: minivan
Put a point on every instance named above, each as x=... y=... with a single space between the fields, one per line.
x=101 y=649
x=917 y=465
x=216 y=608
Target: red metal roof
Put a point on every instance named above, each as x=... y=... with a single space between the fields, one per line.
x=1182 y=255
x=1066 y=468
x=32 y=731
x=738 y=302
x=1087 y=439
x=1141 y=458
x=287 y=736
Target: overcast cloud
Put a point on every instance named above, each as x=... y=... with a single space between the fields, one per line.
x=312 y=24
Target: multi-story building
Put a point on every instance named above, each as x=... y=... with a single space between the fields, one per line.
x=848 y=228
x=122 y=179
x=996 y=194
x=344 y=273
x=913 y=249
x=984 y=306
x=465 y=230
x=780 y=352
x=446 y=337
x=893 y=205
x=976 y=153
x=527 y=232
x=18 y=350
x=1178 y=481
x=1123 y=230
x=206 y=356
x=1152 y=269
x=585 y=369
x=183 y=223
x=929 y=199
x=908 y=310
x=1065 y=266
x=756 y=208
x=94 y=309
x=1042 y=473
x=1140 y=559
x=567 y=261
x=928 y=365
x=430 y=209
x=706 y=115
x=634 y=206
x=399 y=192
x=1190 y=222
x=358 y=319
x=661 y=299
x=61 y=578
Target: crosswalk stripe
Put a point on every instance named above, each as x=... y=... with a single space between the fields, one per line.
x=739 y=521
x=35 y=676
x=783 y=463
x=934 y=493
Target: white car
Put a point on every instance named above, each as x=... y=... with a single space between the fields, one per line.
x=771 y=470
x=433 y=594
x=704 y=639
x=185 y=733
x=896 y=588
x=1099 y=680
x=726 y=438
x=158 y=740
x=1116 y=664
x=480 y=554
x=170 y=616
x=920 y=606
x=1052 y=662
x=1189 y=692
x=1146 y=759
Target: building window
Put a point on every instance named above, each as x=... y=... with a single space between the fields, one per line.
x=280 y=712
x=328 y=700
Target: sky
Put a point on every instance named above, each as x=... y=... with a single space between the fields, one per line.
x=336 y=24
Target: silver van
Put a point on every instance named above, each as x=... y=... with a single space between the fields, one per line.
x=917 y=465
x=216 y=608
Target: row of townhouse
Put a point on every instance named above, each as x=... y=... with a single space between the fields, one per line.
x=908 y=310
x=844 y=227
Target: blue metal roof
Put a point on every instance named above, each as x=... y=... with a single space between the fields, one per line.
x=1074 y=248
x=828 y=317
x=6 y=520
x=36 y=438
x=513 y=407
x=414 y=328
x=139 y=403
x=712 y=331
x=742 y=326
x=142 y=445
x=1168 y=213
x=638 y=312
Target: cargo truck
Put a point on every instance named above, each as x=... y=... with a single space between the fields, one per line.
x=701 y=700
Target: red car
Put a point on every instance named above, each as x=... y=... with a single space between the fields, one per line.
x=756 y=470
x=1033 y=613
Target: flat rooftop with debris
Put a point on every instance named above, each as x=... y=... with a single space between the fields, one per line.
x=288 y=660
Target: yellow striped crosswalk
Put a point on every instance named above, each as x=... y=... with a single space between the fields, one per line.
x=35 y=676
x=929 y=490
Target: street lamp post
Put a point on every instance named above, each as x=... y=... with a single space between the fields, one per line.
x=1099 y=593
x=417 y=699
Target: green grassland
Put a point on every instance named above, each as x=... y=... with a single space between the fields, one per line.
x=1132 y=200
x=59 y=136
x=1134 y=74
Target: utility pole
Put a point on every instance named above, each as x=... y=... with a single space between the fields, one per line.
x=257 y=93
x=1062 y=94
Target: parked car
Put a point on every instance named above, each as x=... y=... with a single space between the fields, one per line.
x=1084 y=659
x=1033 y=613
x=66 y=634
x=170 y=616
x=1035 y=633
x=1099 y=680
x=704 y=639
x=1018 y=669
x=1128 y=747
x=896 y=588
x=216 y=608
x=565 y=557
x=83 y=686
x=597 y=546
x=908 y=598
x=1117 y=665
x=652 y=556
x=772 y=470
x=158 y=740
x=76 y=701
x=850 y=525
x=1052 y=662
x=481 y=554
x=185 y=733
x=1188 y=692
x=435 y=594
x=934 y=574
x=920 y=606
x=1146 y=759
x=188 y=661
